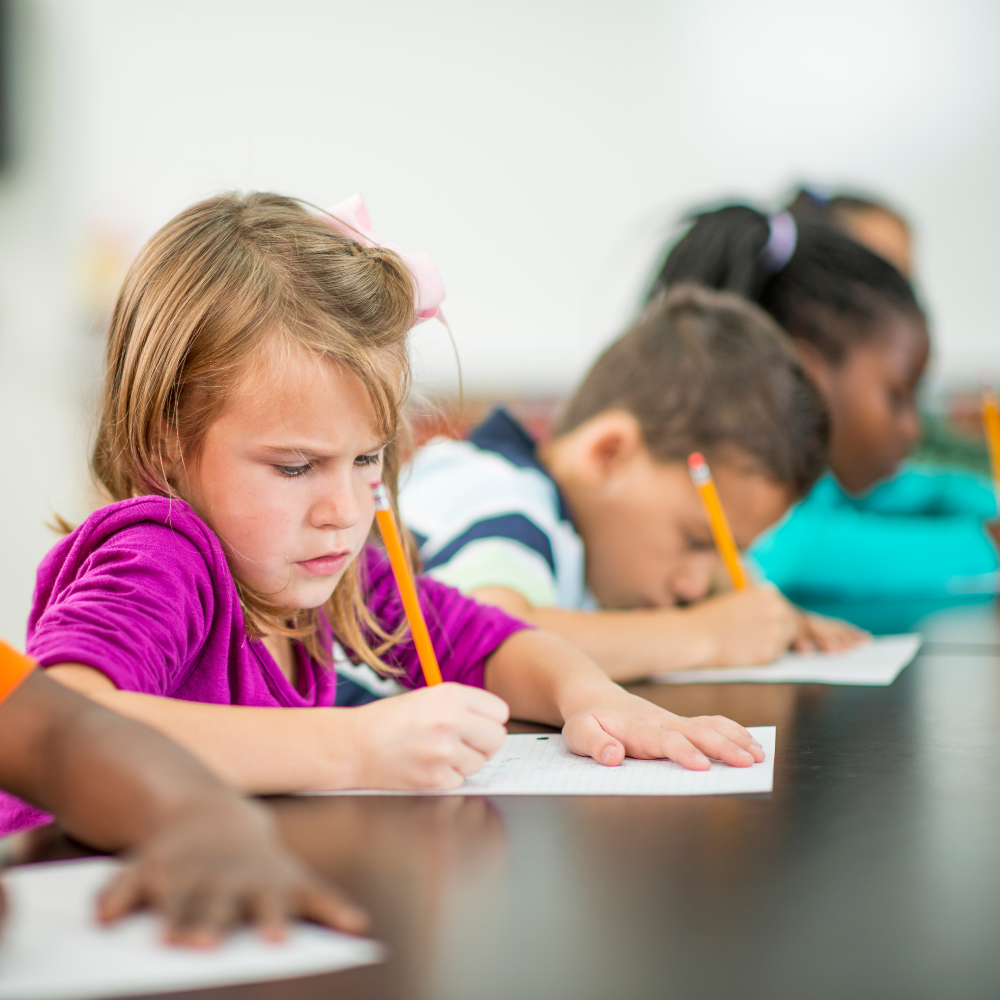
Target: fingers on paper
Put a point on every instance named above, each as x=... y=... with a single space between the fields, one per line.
x=585 y=736
x=323 y=904
x=200 y=908
x=725 y=740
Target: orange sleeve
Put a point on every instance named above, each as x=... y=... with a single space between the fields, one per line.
x=14 y=667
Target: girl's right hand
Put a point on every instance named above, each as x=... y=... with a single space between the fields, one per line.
x=428 y=739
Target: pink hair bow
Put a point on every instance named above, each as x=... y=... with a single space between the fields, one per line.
x=350 y=217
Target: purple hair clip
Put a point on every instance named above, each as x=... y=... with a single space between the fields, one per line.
x=780 y=244
x=350 y=217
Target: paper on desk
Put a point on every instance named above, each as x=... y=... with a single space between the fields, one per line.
x=52 y=949
x=877 y=662
x=532 y=764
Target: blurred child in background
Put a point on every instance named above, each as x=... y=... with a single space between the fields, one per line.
x=867 y=221
x=605 y=514
x=873 y=527
x=201 y=855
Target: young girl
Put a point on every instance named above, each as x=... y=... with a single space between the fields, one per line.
x=870 y=528
x=256 y=364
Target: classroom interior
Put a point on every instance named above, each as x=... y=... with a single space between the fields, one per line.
x=544 y=155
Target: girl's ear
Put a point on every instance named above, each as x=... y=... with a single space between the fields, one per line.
x=608 y=443
x=167 y=447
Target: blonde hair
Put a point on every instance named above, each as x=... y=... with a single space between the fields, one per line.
x=212 y=291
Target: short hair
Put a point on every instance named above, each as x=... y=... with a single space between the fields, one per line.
x=708 y=371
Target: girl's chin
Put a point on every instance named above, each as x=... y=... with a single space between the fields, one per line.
x=315 y=597
x=307 y=595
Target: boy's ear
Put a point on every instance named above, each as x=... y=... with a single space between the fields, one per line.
x=816 y=366
x=608 y=443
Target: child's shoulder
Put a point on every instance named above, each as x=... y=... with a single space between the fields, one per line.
x=160 y=530
x=457 y=479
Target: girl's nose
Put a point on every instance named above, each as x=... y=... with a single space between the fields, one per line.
x=338 y=507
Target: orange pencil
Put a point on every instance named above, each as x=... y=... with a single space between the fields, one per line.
x=991 y=423
x=717 y=518
x=407 y=589
x=14 y=668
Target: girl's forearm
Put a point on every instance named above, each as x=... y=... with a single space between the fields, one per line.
x=545 y=679
x=260 y=751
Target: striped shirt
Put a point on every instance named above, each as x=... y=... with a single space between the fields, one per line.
x=486 y=513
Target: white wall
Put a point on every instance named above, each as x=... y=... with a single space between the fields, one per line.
x=538 y=150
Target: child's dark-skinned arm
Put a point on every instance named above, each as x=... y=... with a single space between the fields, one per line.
x=201 y=855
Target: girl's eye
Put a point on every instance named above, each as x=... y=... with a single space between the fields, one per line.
x=373 y=459
x=293 y=471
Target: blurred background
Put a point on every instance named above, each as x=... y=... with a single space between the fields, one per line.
x=541 y=152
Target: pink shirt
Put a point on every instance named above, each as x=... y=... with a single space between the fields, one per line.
x=142 y=592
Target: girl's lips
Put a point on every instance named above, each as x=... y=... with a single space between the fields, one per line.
x=326 y=565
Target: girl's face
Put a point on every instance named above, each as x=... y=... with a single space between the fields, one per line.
x=285 y=479
x=871 y=396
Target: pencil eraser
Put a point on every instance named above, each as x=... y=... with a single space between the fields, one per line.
x=695 y=459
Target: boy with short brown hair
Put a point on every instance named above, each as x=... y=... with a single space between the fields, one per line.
x=604 y=514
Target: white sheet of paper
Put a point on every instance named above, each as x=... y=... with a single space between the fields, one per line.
x=875 y=663
x=52 y=949
x=533 y=764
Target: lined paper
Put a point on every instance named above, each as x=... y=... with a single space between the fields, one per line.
x=533 y=764
x=52 y=948
x=877 y=662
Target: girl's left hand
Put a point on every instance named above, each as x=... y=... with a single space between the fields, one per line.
x=624 y=725
x=827 y=635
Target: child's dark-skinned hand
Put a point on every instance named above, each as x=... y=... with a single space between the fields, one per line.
x=220 y=865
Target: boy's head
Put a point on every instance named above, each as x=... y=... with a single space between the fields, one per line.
x=699 y=371
x=852 y=317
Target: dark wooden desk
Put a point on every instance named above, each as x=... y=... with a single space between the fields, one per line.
x=872 y=871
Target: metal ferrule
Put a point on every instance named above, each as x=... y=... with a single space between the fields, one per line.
x=700 y=474
x=381 y=496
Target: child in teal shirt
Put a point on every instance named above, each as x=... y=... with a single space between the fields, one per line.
x=917 y=534
x=870 y=528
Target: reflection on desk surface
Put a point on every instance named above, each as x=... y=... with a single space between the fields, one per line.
x=872 y=871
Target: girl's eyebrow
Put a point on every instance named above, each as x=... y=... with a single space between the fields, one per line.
x=310 y=451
